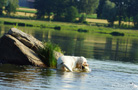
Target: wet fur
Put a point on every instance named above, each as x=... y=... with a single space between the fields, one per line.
x=69 y=63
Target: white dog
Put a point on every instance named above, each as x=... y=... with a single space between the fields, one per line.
x=70 y=63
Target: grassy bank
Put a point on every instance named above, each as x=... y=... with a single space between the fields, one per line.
x=67 y=26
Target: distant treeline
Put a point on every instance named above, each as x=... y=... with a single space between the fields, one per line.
x=118 y=10
x=112 y=10
x=9 y=6
x=65 y=9
x=69 y=10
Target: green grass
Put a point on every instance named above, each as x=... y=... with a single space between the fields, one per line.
x=24 y=7
x=73 y=26
x=92 y=16
x=27 y=11
x=47 y=54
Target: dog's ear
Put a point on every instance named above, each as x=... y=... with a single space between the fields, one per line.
x=85 y=64
x=78 y=65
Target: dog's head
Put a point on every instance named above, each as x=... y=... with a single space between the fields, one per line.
x=82 y=64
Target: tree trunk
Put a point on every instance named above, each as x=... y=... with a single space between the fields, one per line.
x=120 y=19
x=1 y=11
x=49 y=17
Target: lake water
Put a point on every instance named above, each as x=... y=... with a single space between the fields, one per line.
x=113 y=60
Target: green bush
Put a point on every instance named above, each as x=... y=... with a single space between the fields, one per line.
x=82 y=18
x=71 y=14
x=47 y=54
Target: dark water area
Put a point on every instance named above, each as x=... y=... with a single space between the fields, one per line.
x=87 y=44
x=113 y=61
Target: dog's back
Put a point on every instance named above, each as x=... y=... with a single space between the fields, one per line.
x=68 y=61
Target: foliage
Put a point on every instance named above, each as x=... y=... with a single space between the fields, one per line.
x=121 y=6
x=109 y=12
x=47 y=54
x=71 y=14
x=135 y=21
x=125 y=9
x=44 y=7
x=60 y=7
x=87 y=6
x=11 y=6
x=100 y=8
x=92 y=16
x=132 y=11
x=82 y=18
x=2 y=4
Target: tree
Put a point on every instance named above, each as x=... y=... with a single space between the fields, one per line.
x=100 y=8
x=82 y=18
x=44 y=7
x=132 y=11
x=87 y=6
x=11 y=6
x=109 y=12
x=60 y=9
x=71 y=14
x=121 y=8
x=40 y=7
x=129 y=10
x=2 y=4
x=135 y=21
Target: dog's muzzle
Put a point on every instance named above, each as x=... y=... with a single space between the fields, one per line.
x=85 y=68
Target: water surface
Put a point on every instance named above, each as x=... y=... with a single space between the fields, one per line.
x=113 y=61
x=105 y=75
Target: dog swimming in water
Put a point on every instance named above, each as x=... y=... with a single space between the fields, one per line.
x=71 y=63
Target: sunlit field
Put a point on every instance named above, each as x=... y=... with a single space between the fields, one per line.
x=28 y=12
x=105 y=21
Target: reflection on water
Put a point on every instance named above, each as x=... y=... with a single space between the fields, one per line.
x=105 y=75
x=25 y=77
x=86 y=44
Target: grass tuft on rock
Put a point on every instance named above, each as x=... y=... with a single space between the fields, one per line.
x=47 y=54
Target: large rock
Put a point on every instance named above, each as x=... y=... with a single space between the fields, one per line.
x=26 y=39
x=17 y=47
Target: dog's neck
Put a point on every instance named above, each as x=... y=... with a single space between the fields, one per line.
x=77 y=59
